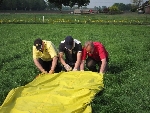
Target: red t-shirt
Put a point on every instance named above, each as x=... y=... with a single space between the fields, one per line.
x=98 y=54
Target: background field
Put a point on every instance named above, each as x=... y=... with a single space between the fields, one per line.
x=127 y=82
x=102 y=19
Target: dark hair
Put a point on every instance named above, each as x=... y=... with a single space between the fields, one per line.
x=37 y=41
x=38 y=44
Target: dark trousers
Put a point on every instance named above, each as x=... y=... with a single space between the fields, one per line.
x=94 y=65
x=47 y=65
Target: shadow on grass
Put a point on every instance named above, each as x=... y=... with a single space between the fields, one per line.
x=115 y=69
x=123 y=65
x=100 y=101
x=116 y=75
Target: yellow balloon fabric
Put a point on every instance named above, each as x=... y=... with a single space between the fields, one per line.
x=65 y=92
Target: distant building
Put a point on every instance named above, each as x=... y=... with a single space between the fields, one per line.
x=77 y=11
x=86 y=11
x=144 y=8
x=147 y=9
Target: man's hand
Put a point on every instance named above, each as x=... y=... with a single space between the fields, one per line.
x=101 y=73
x=74 y=69
x=67 y=67
x=51 y=72
x=44 y=72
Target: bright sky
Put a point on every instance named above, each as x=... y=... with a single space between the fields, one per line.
x=107 y=3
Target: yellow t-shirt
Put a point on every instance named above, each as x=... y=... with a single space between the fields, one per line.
x=48 y=53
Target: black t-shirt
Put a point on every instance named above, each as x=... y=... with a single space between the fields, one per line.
x=71 y=56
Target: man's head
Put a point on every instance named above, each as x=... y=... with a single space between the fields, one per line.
x=38 y=43
x=69 y=42
x=89 y=46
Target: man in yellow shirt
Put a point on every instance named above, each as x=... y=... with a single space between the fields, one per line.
x=45 y=56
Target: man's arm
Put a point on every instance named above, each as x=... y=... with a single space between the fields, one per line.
x=61 y=58
x=61 y=54
x=54 y=63
x=82 y=65
x=103 y=56
x=83 y=58
x=77 y=64
x=35 y=59
x=103 y=66
x=38 y=65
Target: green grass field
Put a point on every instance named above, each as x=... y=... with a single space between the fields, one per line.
x=102 y=19
x=127 y=82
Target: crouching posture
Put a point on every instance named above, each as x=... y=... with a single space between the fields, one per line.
x=45 y=56
x=93 y=54
x=70 y=51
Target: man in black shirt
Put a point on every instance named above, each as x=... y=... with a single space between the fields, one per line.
x=72 y=50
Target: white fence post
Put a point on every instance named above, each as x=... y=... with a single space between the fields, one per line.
x=43 y=19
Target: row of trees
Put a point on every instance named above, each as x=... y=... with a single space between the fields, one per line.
x=23 y=5
x=70 y=3
x=117 y=7
x=40 y=4
x=61 y=5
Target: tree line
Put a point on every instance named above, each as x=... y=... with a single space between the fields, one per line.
x=61 y=5
x=40 y=4
x=22 y=5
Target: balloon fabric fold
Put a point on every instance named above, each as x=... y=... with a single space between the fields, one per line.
x=64 y=92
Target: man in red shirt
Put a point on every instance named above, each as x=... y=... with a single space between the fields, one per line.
x=94 y=53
